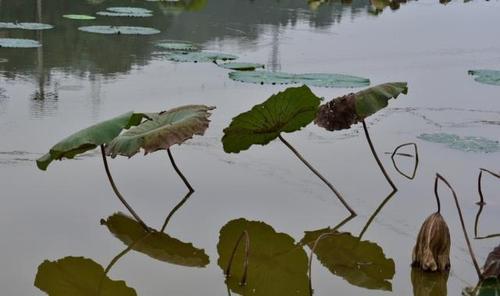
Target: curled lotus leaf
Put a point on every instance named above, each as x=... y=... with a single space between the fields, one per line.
x=432 y=249
x=199 y=57
x=486 y=76
x=177 y=45
x=157 y=245
x=119 y=30
x=284 y=112
x=310 y=79
x=78 y=276
x=25 y=26
x=89 y=138
x=80 y=17
x=491 y=268
x=466 y=144
x=167 y=128
x=19 y=43
x=241 y=66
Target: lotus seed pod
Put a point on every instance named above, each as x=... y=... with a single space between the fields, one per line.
x=338 y=114
x=432 y=250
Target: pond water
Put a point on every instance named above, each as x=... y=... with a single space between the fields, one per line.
x=78 y=78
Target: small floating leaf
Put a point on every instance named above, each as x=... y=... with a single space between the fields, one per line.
x=126 y=12
x=177 y=45
x=467 y=144
x=19 y=43
x=81 y=17
x=312 y=79
x=78 y=276
x=286 y=112
x=486 y=76
x=2 y=60
x=241 y=66
x=199 y=57
x=119 y=30
x=25 y=26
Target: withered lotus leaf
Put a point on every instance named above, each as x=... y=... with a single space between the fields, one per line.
x=491 y=267
x=432 y=250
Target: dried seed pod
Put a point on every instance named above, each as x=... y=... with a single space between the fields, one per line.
x=432 y=250
x=338 y=114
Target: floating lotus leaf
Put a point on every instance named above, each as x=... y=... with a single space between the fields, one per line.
x=241 y=66
x=276 y=266
x=175 y=45
x=125 y=30
x=2 y=60
x=19 y=43
x=81 y=17
x=199 y=57
x=89 y=138
x=286 y=112
x=78 y=276
x=167 y=128
x=466 y=144
x=154 y=244
x=311 y=79
x=486 y=76
x=126 y=12
x=25 y=26
x=361 y=263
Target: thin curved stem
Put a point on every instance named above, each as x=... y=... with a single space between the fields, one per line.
x=184 y=179
x=436 y=194
x=313 y=249
x=177 y=207
x=471 y=252
x=118 y=194
x=395 y=152
x=479 y=186
x=372 y=148
x=339 y=196
x=375 y=213
x=481 y=204
x=246 y=259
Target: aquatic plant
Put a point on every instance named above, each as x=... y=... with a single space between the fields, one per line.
x=466 y=144
x=126 y=12
x=199 y=56
x=177 y=45
x=25 y=26
x=241 y=66
x=491 y=77
x=19 y=43
x=482 y=203
x=79 y=17
x=119 y=30
x=414 y=155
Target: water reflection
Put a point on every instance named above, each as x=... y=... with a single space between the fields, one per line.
x=429 y=283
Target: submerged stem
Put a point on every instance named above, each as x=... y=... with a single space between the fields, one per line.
x=245 y=262
x=184 y=179
x=118 y=194
x=339 y=196
x=377 y=211
x=395 y=152
x=177 y=207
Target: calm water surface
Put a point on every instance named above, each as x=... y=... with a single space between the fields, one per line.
x=79 y=78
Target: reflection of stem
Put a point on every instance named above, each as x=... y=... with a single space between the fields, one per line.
x=377 y=211
x=476 y=265
x=172 y=212
x=245 y=261
x=115 y=189
x=372 y=148
x=481 y=204
x=190 y=188
x=313 y=249
x=416 y=159
x=479 y=187
x=339 y=196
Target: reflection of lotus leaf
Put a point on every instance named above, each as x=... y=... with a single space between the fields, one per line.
x=177 y=45
x=486 y=76
x=310 y=79
x=19 y=43
x=126 y=12
x=25 y=26
x=78 y=276
x=241 y=66
x=199 y=57
x=157 y=245
x=361 y=263
x=429 y=283
x=467 y=144
x=276 y=266
x=81 y=17
x=119 y=30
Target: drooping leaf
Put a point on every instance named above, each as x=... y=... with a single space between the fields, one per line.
x=25 y=26
x=429 y=283
x=80 y=17
x=119 y=30
x=491 y=268
x=126 y=12
x=89 y=138
x=486 y=76
x=311 y=79
x=78 y=276
x=19 y=43
x=361 y=263
x=276 y=266
x=284 y=112
x=466 y=144
x=167 y=128
x=373 y=99
x=241 y=66
x=157 y=245
x=199 y=57
x=177 y=45
x=432 y=248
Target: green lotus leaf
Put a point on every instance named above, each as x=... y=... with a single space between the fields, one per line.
x=119 y=30
x=126 y=12
x=19 y=43
x=466 y=144
x=486 y=76
x=373 y=99
x=177 y=45
x=78 y=276
x=81 y=17
x=25 y=26
x=361 y=263
x=276 y=266
x=311 y=79
x=122 y=14
x=286 y=112
x=89 y=138
x=157 y=245
x=166 y=128
x=241 y=66
x=199 y=57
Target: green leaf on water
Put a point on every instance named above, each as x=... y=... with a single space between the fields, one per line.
x=126 y=12
x=119 y=30
x=177 y=45
x=286 y=111
x=486 y=76
x=466 y=144
x=2 y=60
x=25 y=26
x=19 y=43
x=199 y=57
x=78 y=276
x=310 y=79
x=241 y=66
x=80 y=17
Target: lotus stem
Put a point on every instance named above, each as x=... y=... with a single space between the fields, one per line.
x=481 y=204
x=479 y=186
x=416 y=159
x=313 y=249
x=377 y=211
x=339 y=196
x=471 y=252
x=372 y=148
x=190 y=188
x=172 y=212
x=118 y=194
x=436 y=194
x=245 y=261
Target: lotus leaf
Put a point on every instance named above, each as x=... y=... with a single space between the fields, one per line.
x=486 y=76
x=154 y=244
x=167 y=128
x=466 y=144
x=78 y=276
x=276 y=266
x=175 y=45
x=491 y=268
x=361 y=263
x=241 y=66
x=126 y=12
x=286 y=111
x=488 y=287
x=125 y=30
x=2 y=60
x=25 y=26
x=89 y=138
x=199 y=57
x=19 y=43
x=312 y=79
x=373 y=99
x=81 y=17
